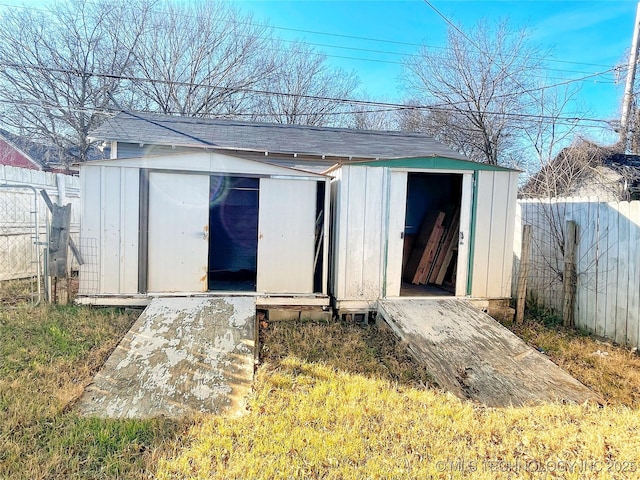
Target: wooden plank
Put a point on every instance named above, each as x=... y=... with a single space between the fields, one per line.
x=450 y=239
x=474 y=357
x=601 y=270
x=427 y=254
x=569 y=278
x=426 y=229
x=624 y=250
x=523 y=273
x=612 y=270
x=593 y=248
x=633 y=306
x=581 y=215
x=59 y=240
x=448 y=258
x=181 y=356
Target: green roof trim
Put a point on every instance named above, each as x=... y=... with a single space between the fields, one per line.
x=441 y=163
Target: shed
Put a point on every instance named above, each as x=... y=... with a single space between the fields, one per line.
x=202 y=222
x=421 y=227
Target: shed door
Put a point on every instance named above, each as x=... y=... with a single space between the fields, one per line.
x=178 y=232
x=397 y=200
x=286 y=233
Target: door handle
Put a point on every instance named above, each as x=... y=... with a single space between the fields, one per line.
x=205 y=232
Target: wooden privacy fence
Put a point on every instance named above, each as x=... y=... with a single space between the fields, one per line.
x=604 y=277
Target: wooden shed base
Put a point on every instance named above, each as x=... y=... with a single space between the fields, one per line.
x=473 y=356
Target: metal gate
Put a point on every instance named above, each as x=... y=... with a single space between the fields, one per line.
x=21 y=248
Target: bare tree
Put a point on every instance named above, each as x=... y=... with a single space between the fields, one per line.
x=53 y=86
x=371 y=117
x=475 y=88
x=303 y=89
x=200 y=59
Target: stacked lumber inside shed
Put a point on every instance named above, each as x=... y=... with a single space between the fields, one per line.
x=432 y=255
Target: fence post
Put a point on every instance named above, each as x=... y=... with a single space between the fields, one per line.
x=570 y=276
x=523 y=273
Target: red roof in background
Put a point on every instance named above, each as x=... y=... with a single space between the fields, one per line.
x=10 y=155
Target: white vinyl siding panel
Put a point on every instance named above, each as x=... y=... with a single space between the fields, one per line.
x=286 y=234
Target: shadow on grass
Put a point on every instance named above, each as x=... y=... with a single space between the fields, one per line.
x=355 y=348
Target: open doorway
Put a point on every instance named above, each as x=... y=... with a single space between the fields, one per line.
x=431 y=232
x=233 y=238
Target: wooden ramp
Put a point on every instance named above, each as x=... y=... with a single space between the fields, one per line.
x=473 y=356
x=182 y=355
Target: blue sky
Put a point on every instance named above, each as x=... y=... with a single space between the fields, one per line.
x=584 y=37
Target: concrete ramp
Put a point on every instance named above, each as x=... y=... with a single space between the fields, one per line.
x=473 y=356
x=182 y=355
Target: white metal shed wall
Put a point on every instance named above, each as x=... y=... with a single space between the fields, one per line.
x=359 y=215
x=111 y=214
x=360 y=195
x=494 y=226
x=109 y=229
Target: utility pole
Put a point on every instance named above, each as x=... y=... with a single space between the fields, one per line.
x=631 y=76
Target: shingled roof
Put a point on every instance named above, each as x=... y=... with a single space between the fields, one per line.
x=158 y=129
x=583 y=165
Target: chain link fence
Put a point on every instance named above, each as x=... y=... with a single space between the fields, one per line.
x=22 y=242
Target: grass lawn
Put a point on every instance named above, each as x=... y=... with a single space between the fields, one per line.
x=331 y=400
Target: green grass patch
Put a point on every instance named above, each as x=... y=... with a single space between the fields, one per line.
x=336 y=401
x=47 y=355
x=331 y=400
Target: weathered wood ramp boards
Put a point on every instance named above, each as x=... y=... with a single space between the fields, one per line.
x=473 y=356
x=182 y=355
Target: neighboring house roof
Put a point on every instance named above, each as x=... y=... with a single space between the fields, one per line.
x=587 y=169
x=18 y=151
x=225 y=134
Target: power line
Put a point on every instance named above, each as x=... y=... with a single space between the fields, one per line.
x=565 y=121
x=377 y=106
x=82 y=73
x=353 y=37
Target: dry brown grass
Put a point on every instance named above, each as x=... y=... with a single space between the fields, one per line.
x=611 y=371
x=328 y=403
x=346 y=346
x=332 y=400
